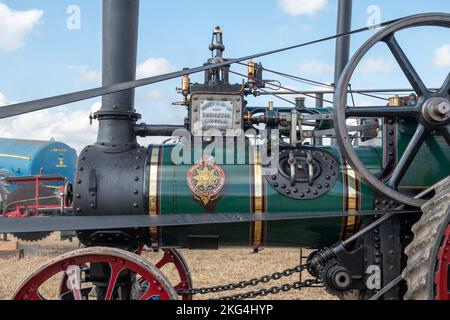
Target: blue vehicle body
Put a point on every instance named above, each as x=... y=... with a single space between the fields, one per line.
x=30 y=157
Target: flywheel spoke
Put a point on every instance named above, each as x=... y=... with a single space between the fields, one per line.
x=408 y=156
x=445 y=133
x=406 y=66
x=445 y=89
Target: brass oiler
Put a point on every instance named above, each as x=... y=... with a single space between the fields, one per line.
x=395 y=101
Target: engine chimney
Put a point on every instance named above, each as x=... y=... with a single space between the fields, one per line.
x=117 y=116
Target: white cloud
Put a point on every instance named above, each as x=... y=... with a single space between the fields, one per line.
x=153 y=67
x=311 y=101
x=72 y=126
x=155 y=95
x=302 y=7
x=87 y=74
x=442 y=56
x=15 y=26
x=63 y=124
x=2 y=99
x=315 y=67
x=149 y=68
x=376 y=65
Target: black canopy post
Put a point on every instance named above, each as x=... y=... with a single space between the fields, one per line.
x=344 y=24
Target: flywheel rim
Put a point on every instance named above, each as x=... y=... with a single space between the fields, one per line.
x=340 y=100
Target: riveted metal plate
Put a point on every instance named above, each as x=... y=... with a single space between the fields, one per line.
x=325 y=174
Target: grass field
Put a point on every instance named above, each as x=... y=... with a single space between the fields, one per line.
x=208 y=268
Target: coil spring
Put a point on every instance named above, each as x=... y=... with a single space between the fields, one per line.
x=322 y=257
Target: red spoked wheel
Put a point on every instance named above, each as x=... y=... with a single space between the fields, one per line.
x=130 y=277
x=174 y=257
x=170 y=257
x=442 y=279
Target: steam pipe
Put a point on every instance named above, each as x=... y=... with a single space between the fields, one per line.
x=145 y=130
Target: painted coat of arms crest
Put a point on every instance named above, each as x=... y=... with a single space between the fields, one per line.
x=206 y=179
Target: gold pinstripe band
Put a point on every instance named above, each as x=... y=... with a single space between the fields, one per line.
x=352 y=202
x=351 y=199
x=153 y=206
x=258 y=207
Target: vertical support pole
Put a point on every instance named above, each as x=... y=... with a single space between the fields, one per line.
x=344 y=25
x=117 y=116
x=319 y=105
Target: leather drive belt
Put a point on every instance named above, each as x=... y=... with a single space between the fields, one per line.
x=108 y=222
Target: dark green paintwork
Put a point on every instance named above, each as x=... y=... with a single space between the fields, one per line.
x=431 y=164
x=176 y=197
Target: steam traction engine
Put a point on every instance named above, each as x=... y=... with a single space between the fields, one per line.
x=254 y=176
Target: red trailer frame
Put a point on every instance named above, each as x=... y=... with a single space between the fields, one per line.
x=22 y=210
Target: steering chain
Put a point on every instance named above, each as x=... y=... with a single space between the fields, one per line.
x=254 y=282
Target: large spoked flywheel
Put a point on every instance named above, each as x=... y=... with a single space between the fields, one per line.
x=432 y=110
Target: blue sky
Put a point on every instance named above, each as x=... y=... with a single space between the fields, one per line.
x=51 y=59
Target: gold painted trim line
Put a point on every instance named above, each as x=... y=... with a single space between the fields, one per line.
x=352 y=202
x=15 y=157
x=153 y=196
x=351 y=199
x=258 y=228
